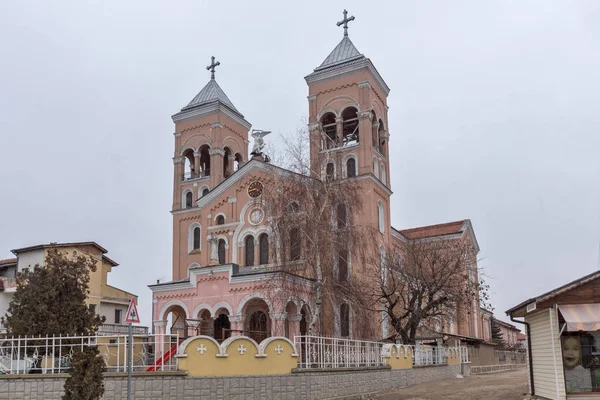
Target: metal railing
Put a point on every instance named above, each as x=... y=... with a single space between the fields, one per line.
x=53 y=354
x=317 y=352
x=430 y=355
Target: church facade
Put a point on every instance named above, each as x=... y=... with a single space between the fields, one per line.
x=222 y=244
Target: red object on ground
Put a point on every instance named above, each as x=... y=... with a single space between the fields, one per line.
x=165 y=357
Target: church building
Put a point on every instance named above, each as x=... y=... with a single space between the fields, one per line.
x=222 y=241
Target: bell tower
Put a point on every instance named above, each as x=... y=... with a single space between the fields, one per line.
x=211 y=143
x=348 y=114
x=348 y=124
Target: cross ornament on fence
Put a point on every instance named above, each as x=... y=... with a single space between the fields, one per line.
x=202 y=349
x=213 y=65
x=278 y=349
x=241 y=349
x=345 y=22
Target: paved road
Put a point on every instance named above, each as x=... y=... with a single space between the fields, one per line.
x=511 y=385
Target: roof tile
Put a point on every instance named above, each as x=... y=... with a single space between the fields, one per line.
x=209 y=93
x=448 y=228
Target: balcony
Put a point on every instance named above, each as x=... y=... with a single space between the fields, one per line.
x=120 y=329
x=188 y=176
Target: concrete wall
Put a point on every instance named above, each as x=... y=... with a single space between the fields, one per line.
x=30 y=259
x=175 y=386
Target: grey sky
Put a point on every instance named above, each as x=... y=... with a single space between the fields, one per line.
x=493 y=117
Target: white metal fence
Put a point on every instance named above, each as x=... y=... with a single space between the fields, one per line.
x=317 y=352
x=430 y=355
x=464 y=355
x=22 y=355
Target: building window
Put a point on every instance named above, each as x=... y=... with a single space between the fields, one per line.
x=330 y=172
x=343 y=265
x=221 y=249
x=375 y=168
x=295 y=252
x=329 y=128
x=196 y=238
x=351 y=167
x=220 y=220
x=189 y=200
x=263 y=241
x=249 y=250
x=381 y=135
x=92 y=307
x=383 y=177
x=341 y=215
x=118 y=316
x=205 y=191
x=344 y=320
x=350 y=125
x=381 y=216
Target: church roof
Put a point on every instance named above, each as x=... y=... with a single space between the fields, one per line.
x=422 y=232
x=344 y=52
x=212 y=92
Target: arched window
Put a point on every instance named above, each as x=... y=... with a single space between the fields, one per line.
x=351 y=167
x=263 y=241
x=189 y=200
x=237 y=162
x=196 y=238
x=258 y=323
x=383 y=176
x=205 y=191
x=249 y=243
x=342 y=265
x=374 y=130
x=330 y=172
x=375 y=168
x=204 y=160
x=381 y=137
x=329 y=127
x=341 y=215
x=188 y=166
x=295 y=252
x=227 y=165
x=294 y=206
x=350 y=125
x=344 y=320
x=220 y=220
x=221 y=248
x=381 y=217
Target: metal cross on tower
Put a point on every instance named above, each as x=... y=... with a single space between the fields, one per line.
x=345 y=22
x=212 y=66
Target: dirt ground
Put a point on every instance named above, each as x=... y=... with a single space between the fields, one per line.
x=511 y=385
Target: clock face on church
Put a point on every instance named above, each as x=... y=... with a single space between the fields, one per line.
x=255 y=189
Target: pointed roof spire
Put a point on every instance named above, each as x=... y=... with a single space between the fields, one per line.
x=211 y=92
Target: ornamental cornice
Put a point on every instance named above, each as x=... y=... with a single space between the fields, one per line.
x=217 y=125
x=178 y=160
x=218 y=152
x=366 y=114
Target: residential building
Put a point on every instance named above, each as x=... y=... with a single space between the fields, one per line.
x=106 y=300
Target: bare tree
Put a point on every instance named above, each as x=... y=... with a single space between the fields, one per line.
x=422 y=283
x=312 y=224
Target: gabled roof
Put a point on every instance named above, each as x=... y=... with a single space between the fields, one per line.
x=8 y=261
x=553 y=293
x=422 y=232
x=210 y=93
x=344 y=52
x=73 y=244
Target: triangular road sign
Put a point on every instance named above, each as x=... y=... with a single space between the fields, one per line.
x=132 y=313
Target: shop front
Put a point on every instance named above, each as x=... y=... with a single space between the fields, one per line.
x=563 y=340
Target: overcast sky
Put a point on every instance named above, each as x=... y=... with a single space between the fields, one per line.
x=494 y=116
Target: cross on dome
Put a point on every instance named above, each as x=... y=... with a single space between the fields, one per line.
x=345 y=22
x=213 y=65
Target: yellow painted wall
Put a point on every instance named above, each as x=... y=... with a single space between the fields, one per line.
x=226 y=360
x=453 y=357
x=113 y=352
x=401 y=357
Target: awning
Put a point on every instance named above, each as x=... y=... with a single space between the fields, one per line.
x=581 y=317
